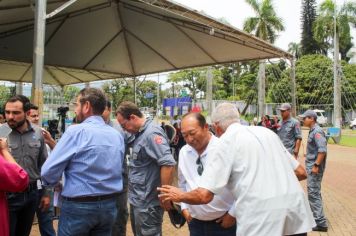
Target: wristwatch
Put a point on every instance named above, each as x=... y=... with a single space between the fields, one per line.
x=316 y=164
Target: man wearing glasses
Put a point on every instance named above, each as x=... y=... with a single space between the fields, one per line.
x=151 y=165
x=289 y=131
x=315 y=165
x=217 y=217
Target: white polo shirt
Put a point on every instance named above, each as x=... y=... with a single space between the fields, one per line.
x=188 y=179
x=259 y=171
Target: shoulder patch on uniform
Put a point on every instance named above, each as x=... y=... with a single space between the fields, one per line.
x=317 y=135
x=158 y=139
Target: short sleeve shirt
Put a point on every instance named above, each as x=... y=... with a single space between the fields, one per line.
x=148 y=152
x=316 y=143
x=289 y=131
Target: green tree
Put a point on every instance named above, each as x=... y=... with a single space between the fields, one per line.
x=190 y=80
x=144 y=88
x=324 y=25
x=119 y=90
x=308 y=43
x=295 y=49
x=266 y=23
x=5 y=93
x=70 y=93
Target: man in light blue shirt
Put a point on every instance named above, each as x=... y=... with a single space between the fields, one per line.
x=90 y=155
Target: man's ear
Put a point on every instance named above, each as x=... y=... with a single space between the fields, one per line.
x=27 y=113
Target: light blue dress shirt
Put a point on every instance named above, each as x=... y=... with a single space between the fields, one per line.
x=90 y=155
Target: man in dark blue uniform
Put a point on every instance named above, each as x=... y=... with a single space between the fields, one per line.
x=315 y=165
x=151 y=165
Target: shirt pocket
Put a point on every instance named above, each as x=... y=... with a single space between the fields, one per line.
x=14 y=149
x=137 y=185
x=34 y=149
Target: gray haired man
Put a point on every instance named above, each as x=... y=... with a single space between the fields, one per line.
x=252 y=162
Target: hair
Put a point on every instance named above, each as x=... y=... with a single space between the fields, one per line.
x=33 y=107
x=198 y=116
x=26 y=104
x=108 y=104
x=126 y=109
x=95 y=97
x=224 y=115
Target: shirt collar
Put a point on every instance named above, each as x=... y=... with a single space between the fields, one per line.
x=94 y=119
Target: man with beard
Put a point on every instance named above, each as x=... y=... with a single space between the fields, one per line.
x=90 y=154
x=27 y=147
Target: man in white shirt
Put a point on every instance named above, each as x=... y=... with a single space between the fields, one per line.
x=253 y=163
x=215 y=218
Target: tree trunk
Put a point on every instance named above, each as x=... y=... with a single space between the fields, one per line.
x=261 y=88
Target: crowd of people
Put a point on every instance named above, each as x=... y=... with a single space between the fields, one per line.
x=237 y=180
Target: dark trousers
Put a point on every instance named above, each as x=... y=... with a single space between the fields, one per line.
x=45 y=218
x=119 y=227
x=146 y=221
x=209 y=228
x=22 y=207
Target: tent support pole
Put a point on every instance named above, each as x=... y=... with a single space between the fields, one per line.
x=38 y=55
x=294 y=88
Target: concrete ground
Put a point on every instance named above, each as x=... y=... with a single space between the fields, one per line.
x=338 y=191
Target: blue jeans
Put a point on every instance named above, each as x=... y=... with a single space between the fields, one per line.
x=209 y=228
x=22 y=207
x=45 y=218
x=87 y=218
x=146 y=221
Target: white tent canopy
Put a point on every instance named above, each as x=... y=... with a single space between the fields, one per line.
x=104 y=39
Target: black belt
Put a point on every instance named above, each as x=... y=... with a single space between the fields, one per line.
x=90 y=198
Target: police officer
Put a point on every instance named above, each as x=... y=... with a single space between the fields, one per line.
x=289 y=131
x=151 y=165
x=28 y=149
x=315 y=165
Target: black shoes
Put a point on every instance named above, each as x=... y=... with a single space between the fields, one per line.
x=320 y=229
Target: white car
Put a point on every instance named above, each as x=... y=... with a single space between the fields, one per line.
x=321 y=118
x=353 y=124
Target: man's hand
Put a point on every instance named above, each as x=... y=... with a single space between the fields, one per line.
x=3 y=144
x=315 y=170
x=226 y=221
x=48 y=139
x=186 y=214
x=45 y=203
x=169 y=193
x=165 y=205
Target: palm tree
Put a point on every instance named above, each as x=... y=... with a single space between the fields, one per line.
x=324 y=25
x=294 y=49
x=264 y=25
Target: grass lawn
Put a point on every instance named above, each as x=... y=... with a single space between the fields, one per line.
x=346 y=140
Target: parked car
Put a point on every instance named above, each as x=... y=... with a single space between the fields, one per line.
x=321 y=118
x=353 y=124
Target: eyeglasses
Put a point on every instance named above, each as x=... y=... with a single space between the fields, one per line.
x=124 y=123
x=200 y=167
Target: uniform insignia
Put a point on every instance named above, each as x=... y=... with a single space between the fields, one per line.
x=317 y=135
x=158 y=139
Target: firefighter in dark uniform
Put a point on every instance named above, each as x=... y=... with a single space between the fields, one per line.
x=151 y=165
x=315 y=164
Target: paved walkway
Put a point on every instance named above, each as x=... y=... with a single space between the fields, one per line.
x=338 y=191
